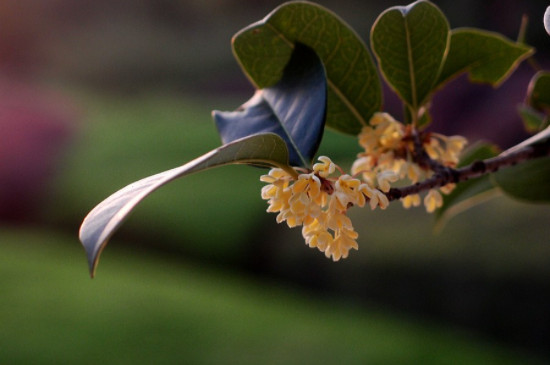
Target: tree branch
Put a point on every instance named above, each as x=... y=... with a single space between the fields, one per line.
x=445 y=175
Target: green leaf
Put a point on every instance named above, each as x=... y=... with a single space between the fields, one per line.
x=470 y=193
x=533 y=120
x=294 y=108
x=487 y=57
x=264 y=48
x=101 y=223
x=538 y=92
x=410 y=43
x=527 y=181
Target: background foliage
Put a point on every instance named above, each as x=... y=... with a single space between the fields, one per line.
x=474 y=293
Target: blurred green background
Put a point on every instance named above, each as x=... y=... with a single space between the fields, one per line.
x=97 y=94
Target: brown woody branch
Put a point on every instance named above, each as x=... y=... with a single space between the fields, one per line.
x=446 y=175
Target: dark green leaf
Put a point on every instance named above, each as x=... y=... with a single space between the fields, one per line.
x=264 y=48
x=538 y=92
x=102 y=222
x=526 y=181
x=469 y=193
x=410 y=43
x=294 y=108
x=487 y=57
x=533 y=120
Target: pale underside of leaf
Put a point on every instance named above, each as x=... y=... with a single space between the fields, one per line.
x=353 y=85
x=102 y=222
x=294 y=108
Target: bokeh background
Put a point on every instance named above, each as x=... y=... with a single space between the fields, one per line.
x=95 y=94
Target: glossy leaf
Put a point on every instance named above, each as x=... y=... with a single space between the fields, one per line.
x=538 y=92
x=470 y=193
x=410 y=43
x=486 y=56
x=102 y=222
x=294 y=108
x=264 y=48
x=533 y=120
x=527 y=181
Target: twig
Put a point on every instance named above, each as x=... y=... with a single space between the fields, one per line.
x=479 y=168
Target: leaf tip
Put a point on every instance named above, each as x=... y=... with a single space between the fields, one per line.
x=93 y=246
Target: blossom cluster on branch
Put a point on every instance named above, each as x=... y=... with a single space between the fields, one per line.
x=393 y=152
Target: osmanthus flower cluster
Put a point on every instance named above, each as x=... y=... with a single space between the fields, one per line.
x=319 y=199
x=401 y=153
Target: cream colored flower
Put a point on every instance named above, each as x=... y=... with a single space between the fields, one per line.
x=307 y=201
x=447 y=189
x=412 y=200
x=325 y=167
x=448 y=149
x=433 y=200
x=385 y=178
x=346 y=192
x=388 y=157
x=316 y=235
x=344 y=240
x=377 y=198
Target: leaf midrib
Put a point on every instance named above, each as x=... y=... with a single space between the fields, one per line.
x=411 y=68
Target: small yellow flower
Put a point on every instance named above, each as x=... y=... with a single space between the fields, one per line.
x=433 y=200
x=316 y=235
x=277 y=193
x=447 y=189
x=385 y=178
x=325 y=167
x=344 y=241
x=377 y=198
x=448 y=155
x=345 y=192
x=321 y=211
x=414 y=172
x=412 y=200
x=304 y=202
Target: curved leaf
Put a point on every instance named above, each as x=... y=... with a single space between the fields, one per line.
x=410 y=43
x=533 y=120
x=538 y=91
x=102 y=222
x=294 y=108
x=528 y=180
x=468 y=193
x=487 y=57
x=264 y=48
